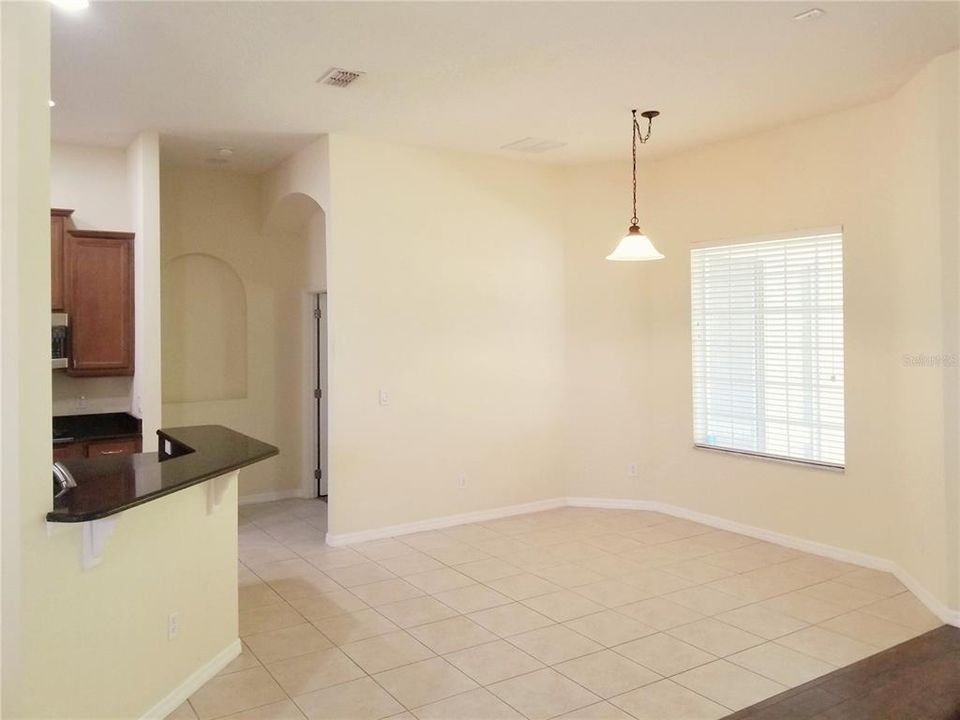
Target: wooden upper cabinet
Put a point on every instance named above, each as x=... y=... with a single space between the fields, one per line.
x=59 y=223
x=98 y=268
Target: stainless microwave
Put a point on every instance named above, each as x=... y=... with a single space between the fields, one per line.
x=60 y=332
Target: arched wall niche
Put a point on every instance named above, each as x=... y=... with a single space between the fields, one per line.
x=204 y=330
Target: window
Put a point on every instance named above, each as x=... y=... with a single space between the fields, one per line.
x=767 y=323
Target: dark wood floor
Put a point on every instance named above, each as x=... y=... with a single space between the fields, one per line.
x=917 y=680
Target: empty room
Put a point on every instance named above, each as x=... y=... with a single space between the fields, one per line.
x=479 y=360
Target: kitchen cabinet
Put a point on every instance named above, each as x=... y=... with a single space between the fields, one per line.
x=70 y=451
x=96 y=448
x=59 y=224
x=104 y=448
x=98 y=287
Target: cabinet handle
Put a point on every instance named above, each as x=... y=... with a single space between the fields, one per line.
x=110 y=452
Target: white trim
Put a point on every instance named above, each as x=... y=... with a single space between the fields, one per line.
x=799 y=234
x=782 y=459
x=297 y=492
x=946 y=614
x=194 y=682
x=442 y=522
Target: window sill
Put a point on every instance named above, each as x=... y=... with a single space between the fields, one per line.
x=808 y=464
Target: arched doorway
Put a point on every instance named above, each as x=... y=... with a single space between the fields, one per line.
x=301 y=219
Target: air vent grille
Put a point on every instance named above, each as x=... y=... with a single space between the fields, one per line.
x=338 y=77
x=533 y=145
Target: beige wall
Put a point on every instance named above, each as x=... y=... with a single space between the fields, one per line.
x=875 y=170
x=24 y=338
x=242 y=369
x=96 y=640
x=92 y=181
x=445 y=280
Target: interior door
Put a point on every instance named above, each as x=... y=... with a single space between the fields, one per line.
x=320 y=393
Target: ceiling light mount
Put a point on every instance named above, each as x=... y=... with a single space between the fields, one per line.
x=635 y=246
x=811 y=14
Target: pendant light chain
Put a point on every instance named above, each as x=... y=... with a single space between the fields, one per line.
x=642 y=137
x=636 y=128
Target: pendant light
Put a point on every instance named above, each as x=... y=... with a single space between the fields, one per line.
x=635 y=246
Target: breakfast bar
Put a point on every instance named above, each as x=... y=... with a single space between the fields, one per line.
x=104 y=486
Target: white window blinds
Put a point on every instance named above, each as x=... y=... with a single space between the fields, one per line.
x=768 y=347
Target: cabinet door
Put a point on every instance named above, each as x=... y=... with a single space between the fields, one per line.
x=99 y=286
x=70 y=451
x=59 y=221
x=105 y=448
x=56 y=263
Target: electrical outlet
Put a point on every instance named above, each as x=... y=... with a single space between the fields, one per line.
x=462 y=482
x=81 y=402
x=633 y=470
x=173 y=626
x=384 y=397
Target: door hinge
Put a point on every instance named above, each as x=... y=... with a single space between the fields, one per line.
x=318 y=393
x=318 y=473
x=316 y=313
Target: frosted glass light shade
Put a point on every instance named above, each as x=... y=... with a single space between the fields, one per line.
x=635 y=247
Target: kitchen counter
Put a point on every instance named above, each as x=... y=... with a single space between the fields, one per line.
x=187 y=456
x=105 y=426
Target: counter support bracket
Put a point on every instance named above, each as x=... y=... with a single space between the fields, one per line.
x=216 y=489
x=95 y=534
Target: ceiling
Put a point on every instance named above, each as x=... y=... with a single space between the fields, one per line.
x=473 y=75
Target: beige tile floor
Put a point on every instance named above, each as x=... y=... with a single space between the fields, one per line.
x=569 y=613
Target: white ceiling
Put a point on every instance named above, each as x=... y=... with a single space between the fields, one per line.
x=473 y=76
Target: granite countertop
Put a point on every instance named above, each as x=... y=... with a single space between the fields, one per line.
x=103 y=426
x=188 y=456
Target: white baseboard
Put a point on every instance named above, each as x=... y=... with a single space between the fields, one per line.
x=946 y=614
x=777 y=538
x=194 y=682
x=272 y=496
x=443 y=522
x=854 y=557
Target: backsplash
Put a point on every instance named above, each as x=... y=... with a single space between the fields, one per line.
x=84 y=396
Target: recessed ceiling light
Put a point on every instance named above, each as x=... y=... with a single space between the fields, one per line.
x=52 y=103
x=811 y=14
x=225 y=152
x=71 y=5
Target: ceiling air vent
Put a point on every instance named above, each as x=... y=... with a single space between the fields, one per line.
x=533 y=145
x=338 y=77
